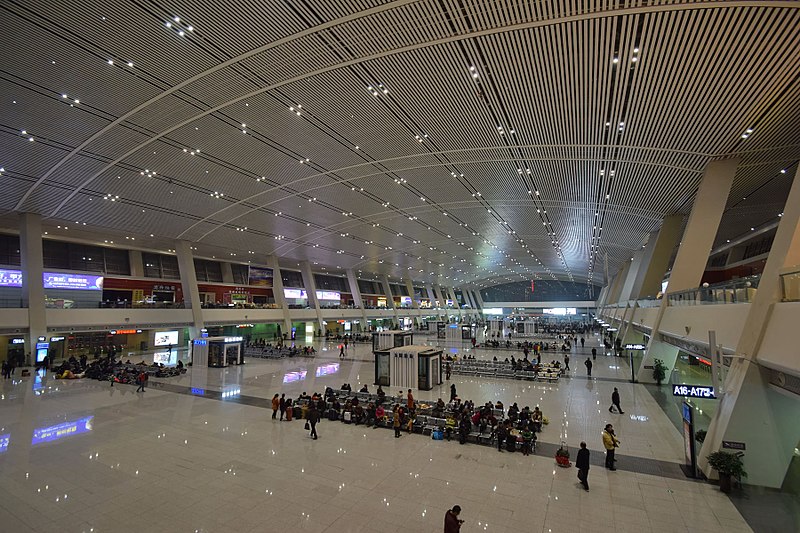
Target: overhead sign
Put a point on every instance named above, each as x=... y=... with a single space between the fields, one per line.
x=125 y=331
x=733 y=445
x=17 y=341
x=693 y=391
x=55 y=280
x=635 y=347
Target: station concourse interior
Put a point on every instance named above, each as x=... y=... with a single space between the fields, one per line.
x=224 y=226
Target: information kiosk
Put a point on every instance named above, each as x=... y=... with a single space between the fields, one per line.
x=217 y=351
x=382 y=340
x=409 y=367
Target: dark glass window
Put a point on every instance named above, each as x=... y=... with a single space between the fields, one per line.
x=368 y=287
x=208 y=270
x=398 y=290
x=160 y=266
x=331 y=283
x=292 y=278
x=9 y=250
x=240 y=274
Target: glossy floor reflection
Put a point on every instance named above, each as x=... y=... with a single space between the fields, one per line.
x=83 y=456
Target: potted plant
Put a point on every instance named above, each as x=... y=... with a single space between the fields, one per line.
x=700 y=435
x=727 y=465
x=562 y=456
x=659 y=371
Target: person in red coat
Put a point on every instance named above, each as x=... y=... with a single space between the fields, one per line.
x=452 y=524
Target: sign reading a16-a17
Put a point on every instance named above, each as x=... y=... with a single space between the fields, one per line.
x=693 y=391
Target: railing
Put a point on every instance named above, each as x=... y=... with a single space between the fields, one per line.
x=790 y=285
x=730 y=292
x=649 y=303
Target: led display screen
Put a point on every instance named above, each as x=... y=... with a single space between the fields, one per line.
x=294 y=293
x=85 y=282
x=10 y=278
x=166 y=338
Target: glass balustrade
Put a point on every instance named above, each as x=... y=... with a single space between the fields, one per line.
x=790 y=286
x=738 y=291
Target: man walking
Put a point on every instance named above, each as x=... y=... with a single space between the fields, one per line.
x=615 y=402
x=313 y=418
x=282 y=406
x=594 y=353
x=610 y=443
x=452 y=524
x=582 y=463
x=583 y=341
x=566 y=361
x=588 y=364
x=276 y=403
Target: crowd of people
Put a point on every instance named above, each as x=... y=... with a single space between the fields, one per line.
x=508 y=428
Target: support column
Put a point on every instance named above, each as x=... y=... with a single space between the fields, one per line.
x=657 y=253
x=352 y=280
x=136 y=263
x=387 y=290
x=279 y=296
x=32 y=266
x=470 y=302
x=479 y=298
x=432 y=299
x=616 y=286
x=311 y=292
x=191 y=294
x=637 y=263
x=690 y=263
x=457 y=305
x=414 y=302
x=750 y=409
x=227 y=272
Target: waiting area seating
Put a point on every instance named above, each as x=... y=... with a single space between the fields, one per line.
x=496 y=369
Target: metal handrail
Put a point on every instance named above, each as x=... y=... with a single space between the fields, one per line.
x=737 y=291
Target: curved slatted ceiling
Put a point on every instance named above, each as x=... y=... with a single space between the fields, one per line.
x=453 y=141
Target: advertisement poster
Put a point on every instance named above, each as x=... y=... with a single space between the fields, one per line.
x=85 y=282
x=166 y=338
x=260 y=277
x=10 y=278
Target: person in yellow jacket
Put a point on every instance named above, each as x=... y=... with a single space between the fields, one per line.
x=610 y=443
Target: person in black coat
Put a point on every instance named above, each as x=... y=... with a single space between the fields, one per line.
x=615 y=402
x=582 y=464
x=282 y=406
x=313 y=418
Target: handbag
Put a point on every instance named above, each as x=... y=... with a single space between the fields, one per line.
x=307 y=426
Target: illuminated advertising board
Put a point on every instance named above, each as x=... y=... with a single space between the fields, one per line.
x=59 y=431
x=10 y=278
x=294 y=293
x=166 y=338
x=329 y=295
x=84 y=282
x=4 y=441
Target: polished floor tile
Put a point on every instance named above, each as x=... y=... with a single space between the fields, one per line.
x=189 y=456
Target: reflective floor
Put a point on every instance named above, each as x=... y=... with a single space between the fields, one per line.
x=200 y=453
